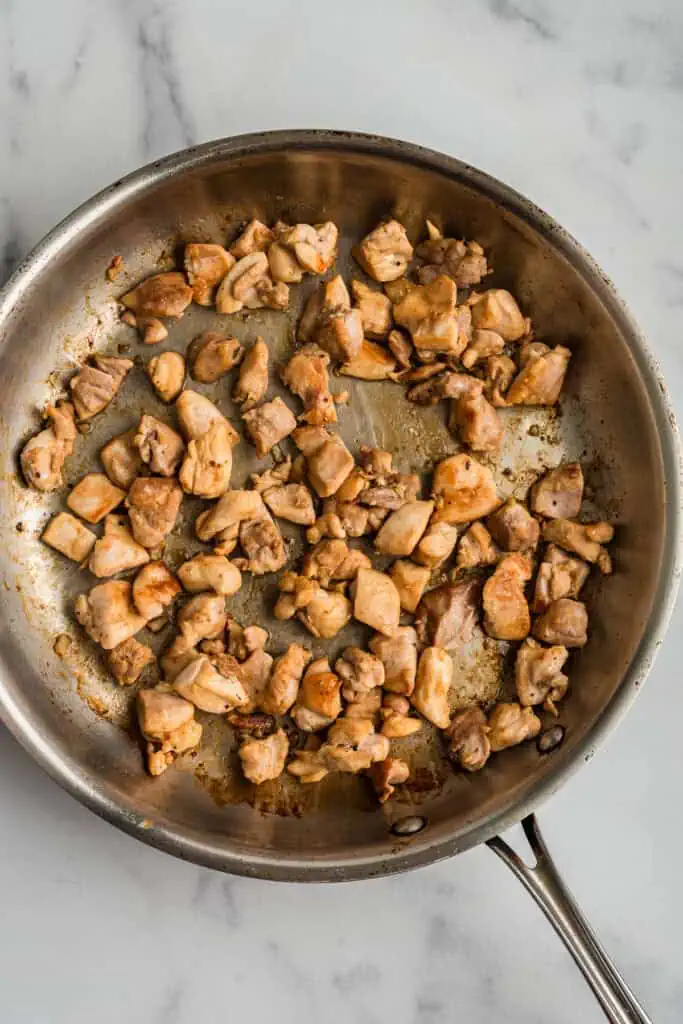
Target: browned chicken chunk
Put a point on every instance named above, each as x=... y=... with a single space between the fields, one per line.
x=386 y=775
x=256 y=237
x=496 y=310
x=385 y=253
x=306 y=376
x=510 y=724
x=446 y=616
x=340 y=334
x=206 y=264
x=128 y=660
x=584 y=539
x=268 y=424
x=160 y=447
x=94 y=497
x=69 y=536
x=401 y=348
x=402 y=530
x=331 y=296
x=476 y=423
x=559 y=575
x=249 y=284
x=208 y=689
x=264 y=759
x=202 y=618
x=565 y=622
x=210 y=572
x=371 y=362
x=107 y=613
x=411 y=581
x=558 y=494
x=468 y=739
x=254 y=672
x=153 y=504
x=252 y=382
x=154 y=590
x=376 y=601
x=116 y=551
x=328 y=464
x=484 y=343
x=167 y=723
x=375 y=310
x=93 y=387
x=196 y=414
x=283 y=685
x=160 y=295
x=326 y=613
x=434 y=677
x=506 y=612
x=314 y=246
x=318 y=702
x=538 y=674
x=121 y=459
x=436 y=545
x=476 y=548
x=541 y=380
x=513 y=528
x=263 y=547
x=435 y=321
x=464 y=490
x=43 y=455
x=224 y=518
x=334 y=560
x=359 y=672
x=207 y=466
x=398 y=654
x=211 y=355
x=292 y=502
x=167 y=375
x=500 y=372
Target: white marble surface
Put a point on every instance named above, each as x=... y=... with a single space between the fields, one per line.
x=578 y=105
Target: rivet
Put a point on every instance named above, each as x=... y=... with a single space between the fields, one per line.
x=409 y=826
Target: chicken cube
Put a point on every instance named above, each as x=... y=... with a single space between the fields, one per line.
x=44 y=454
x=436 y=545
x=538 y=674
x=476 y=423
x=196 y=414
x=464 y=490
x=153 y=504
x=468 y=740
x=565 y=622
x=513 y=528
x=334 y=560
x=435 y=321
x=326 y=613
x=398 y=654
x=559 y=575
x=252 y=382
x=484 y=343
x=116 y=551
x=207 y=466
x=107 y=613
x=202 y=618
x=374 y=308
x=410 y=580
x=224 y=518
x=264 y=759
x=500 y=372
x=263 y=546
x=160 y=447
x=94 y=497
x=584 y=539
x=340 y=333
x=306 y=376
x=360 y=673
x=465 y=262
x=496 y=310
x=313 y=245
x=268 y=424
x=376 y=601
x=558 y=494
x=403 y=529
x=93 y=387
x=256 y=237
x=329 y=465
x=510 y=724
x=154 y=590
x=167 y=375
x=128 y=660
x=292 y=502
x=385 y=253
x=69 y=536
x=121 y=459
x=209 y=690
x=167 y=723
x=401 y=348
x=506 y=612
x=446 y=616
x=386 y=775
x=283 y=685
x=371 y=362
x=211 y=355
x=318 y=702
x=541 y=380
x=166 y=294
x=434 y=678
x=206 y=264
x=210 y=572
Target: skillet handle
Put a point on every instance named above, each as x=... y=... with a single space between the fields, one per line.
x=557 y=903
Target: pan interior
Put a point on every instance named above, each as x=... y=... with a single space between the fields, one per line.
x=76 y=714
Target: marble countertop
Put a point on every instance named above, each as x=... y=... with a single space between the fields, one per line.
x=577 y=105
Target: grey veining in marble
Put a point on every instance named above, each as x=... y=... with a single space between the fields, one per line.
x=577 y=105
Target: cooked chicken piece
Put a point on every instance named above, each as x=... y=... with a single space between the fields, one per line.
x=506 y=612
x=121 y=459
x=367 y=705
x=477 y=423
x=584 y=539
x=538 y=674
x=160 y=295
x=558 y=494
x=207 y=465
x=256 y=237
x=385 y=253
x=252 y=382
x=402 y=530
x=398 y=654
x=284 y=265
x=437 y=544
x=531 y=350
x=446 y=616
x=468 y=741
x=196 y=414
x=326 y=613
x=264 y=759
x=397 y=723
x=268 y=424
x=69 y=536
x=211 y=355
x=564 y=622
x=386 y=775
x=435 y=321
x=334 y=560
x=296 y=592
x=107 y=613
x=496 y=310
x=94 y=497
x=116 y=551
x=329 y=465
x=160 y=447
x=209 y=690
x=94 y=386
x=410 y=580
x=401 y=348
x=152 y=330
x=292 y=502
x=510 y=724
x=206 y=264
x=311 y=438
x=167 y=375
x=202 y=618
x=176 y=656
x=434 y=677
x=332 y=295
x=249 y=284
x=476 y=548
x=128 y=660
x=254 y=638
x=275 y=477
x=263 y=547
x=283 y=685
x=435 y=385
x=376 y=465
x=340 y=333
x=43 y=455
x=465 y=262
x=353 y=746
x=541 y=380
x=167 y=723
x=224 y=518
x=431 y=367
x=313 y=245
x=306 y=376
x=376 y=601
x=393 y=493
x=154 y=590
x=318 y=703
x=153 y=504
x=559 y=575
x=254 y=673
x=371 y=362
x=513 y=528
x=500 y=372
x=359 y=671
x=375 y=310
x=340 y=519
x=484 y=344
x=254 y=725
x=464 y=490
x=210 y=572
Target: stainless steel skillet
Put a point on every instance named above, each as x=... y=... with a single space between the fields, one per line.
x=59 y=306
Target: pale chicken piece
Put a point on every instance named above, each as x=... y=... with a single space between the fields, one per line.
x=211 y=355
x=500 y=372
x=313 y=245
x=254 y=673
x=284 y=265
x=249 y=284
x=484 y=343
x=328 y=466
x=206 y=264
x=367 y=705
x=318 y=702
x=497 y=310
x=559 y=575
x=254 y=638
x=176 y=656
x=256 y=237
x=376 y=601
x=539 y=678
x=386 y=775
x=359 y=672
x=210 y=572
x=434 y=678
x=209 y=690
x=541 y=380
x=166 y=294
x=94 y=497
x=44 y=454
x=154 y=590
x=167 y=723
x=207 y=466
x=292 y=502
x=283 y=685
x=116 y=551
x=268 y=424
x=353 y=746
x=334 y=560
x=296 y=593
x=436 y=545
x=464 y=490
x=95 y=385
x=558 y=494
x=160 y=446
x=310 y=439
x=468 y=739
x=69 y=536
x=510 y=724
x=403 y=529
x=275 y=477
x=153 y=504
x=371 y=362
x=401 y=348
x=128 y=660
x=447 y=615
x=202 y=618
x=476 y=423
x=564 y=622
x=397 y=722
x=224 y=518
x=263 y=547
x=167 y=375
x=476 y=548
x=411 y=581
x=513 y=528
x=107 y=613
x=398 y=654
x=196 y=414
x=306 y=376
x=435 y=321
x=152 y=330
x=385 y=253
x=340 y=333
x=252 y=382
x=264 y=759
x=121 y=459
x=326 y=614
x=584 y=539
x=375 y=310
x=464 y=261
x=506 y=612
